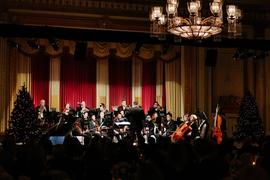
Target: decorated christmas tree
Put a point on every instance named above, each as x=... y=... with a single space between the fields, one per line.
x=249 y=125
x=22 y=125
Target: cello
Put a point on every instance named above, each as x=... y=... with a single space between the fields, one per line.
x=181 y=131
x=217 y=133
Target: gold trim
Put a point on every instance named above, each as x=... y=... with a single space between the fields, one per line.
x=75 y=14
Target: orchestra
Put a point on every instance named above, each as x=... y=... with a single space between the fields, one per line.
x=129 y=122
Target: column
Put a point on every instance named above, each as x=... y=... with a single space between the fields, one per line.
x=54 y=95
x=103 y=81
x=137 y=79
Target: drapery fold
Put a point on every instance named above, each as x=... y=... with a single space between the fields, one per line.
x=148 y=84
x=40 y=77
x=4 y=73
x=174 y=88
x=78 y=81
x=120 y=81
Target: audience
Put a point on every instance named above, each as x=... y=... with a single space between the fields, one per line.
x=100 y=158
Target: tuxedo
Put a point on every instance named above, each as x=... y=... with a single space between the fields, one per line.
x=79 y=111
x=170 y=127
x=122 y=108
x=42 y=114
x=203 y=129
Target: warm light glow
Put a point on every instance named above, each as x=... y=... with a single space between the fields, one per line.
x=157 y=12
x=193 y=8
x=171 y=9
x=174 y=2
x=195 y=26
x=162 y=20
x=215 y=8
x=231 y=11
x=238 y=13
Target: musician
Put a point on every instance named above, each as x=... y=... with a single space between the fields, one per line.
x=153 y=126
x=120 y=117
x=170 y=125
x=102 y=108
x=81 y=125
x=135 y=116
x=68 y=110
x=101 y=119
x=88 y=125
x=123 y=107
x=82 y=109
x=154 y=108
x=119 y=128
x=42 y=110
x=193 y=119
x=203 y=125
x=93 y=125
x=104 y=124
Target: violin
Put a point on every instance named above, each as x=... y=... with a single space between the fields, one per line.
x=217 y=133
x=181 y=131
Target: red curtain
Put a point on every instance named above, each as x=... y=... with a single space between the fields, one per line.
x=148 y=84
x=40 y=77
x=120 y=81
x=78 y=81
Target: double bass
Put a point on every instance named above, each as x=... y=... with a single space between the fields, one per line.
x=217 y=133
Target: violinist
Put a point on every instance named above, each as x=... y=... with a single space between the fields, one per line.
x=120 y=126
x=68 y=110
x=155 y=108
x=67 y=114
x=150 y=130
x=81 y=125
x=104 y=123
x=93 y=125
x=170 y=125
x=123 y=107
x=102 y=108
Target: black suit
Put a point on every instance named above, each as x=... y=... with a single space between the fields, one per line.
x=45 y=111
x=170 y=127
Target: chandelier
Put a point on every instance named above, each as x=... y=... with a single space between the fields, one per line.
x=195 y=26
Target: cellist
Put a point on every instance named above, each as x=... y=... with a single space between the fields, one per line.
x=188 y=130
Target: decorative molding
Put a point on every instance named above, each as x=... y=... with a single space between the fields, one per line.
x=253 y=14
x=80 y=5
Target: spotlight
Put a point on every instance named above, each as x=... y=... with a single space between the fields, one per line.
x=32 y=43
x=54 y=43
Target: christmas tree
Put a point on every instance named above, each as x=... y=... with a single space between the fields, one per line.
x=249 y=125
x=22 y=125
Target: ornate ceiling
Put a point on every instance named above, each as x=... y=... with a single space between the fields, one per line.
x=117 y=15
